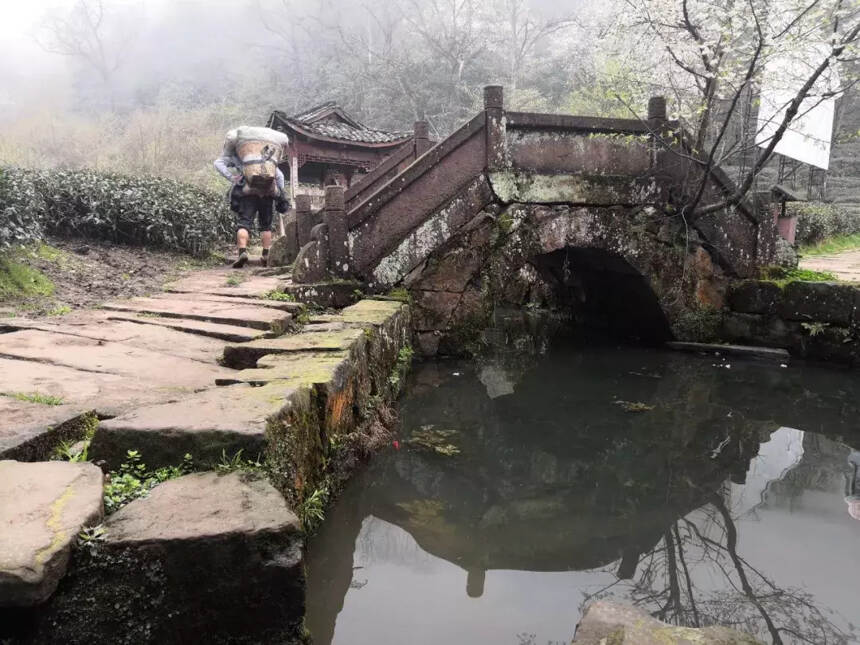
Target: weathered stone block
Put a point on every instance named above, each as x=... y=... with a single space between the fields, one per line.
x=428 y=343
x=754 y=297
x=818 y=301
x=285 y=249
x=312 y=263
x=43 y=507
x=433 y=309
x=450 y=272
x=607 y=622
x=205 y=425
x=202 y=554
x=830 y=343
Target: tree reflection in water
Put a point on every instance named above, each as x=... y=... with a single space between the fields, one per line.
x=549 y=475
x=748 y=601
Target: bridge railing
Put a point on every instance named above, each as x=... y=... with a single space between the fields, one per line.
x=391 y=166
x=372 y=220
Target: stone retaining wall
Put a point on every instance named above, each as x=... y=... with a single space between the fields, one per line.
x=813 y=320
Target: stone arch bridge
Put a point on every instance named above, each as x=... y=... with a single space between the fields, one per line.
x=519 y=208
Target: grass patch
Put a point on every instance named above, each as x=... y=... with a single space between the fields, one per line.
x=782 y=276
x=60 y=310
x=236 y=279
x=280 y=296
x=19 y=281
x=34 y=397
x=312 y=510
x=833 y=245
x=134 y=480
x=238 y=462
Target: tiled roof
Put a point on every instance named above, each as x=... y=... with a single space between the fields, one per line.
x=329 y=120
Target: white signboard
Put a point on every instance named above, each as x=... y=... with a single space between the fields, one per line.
x=808 y=136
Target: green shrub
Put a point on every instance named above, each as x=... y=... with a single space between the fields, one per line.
x=140 y=210
x=22 y=209
x=818 y=221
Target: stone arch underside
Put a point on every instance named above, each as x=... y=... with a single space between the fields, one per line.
x=639 y=269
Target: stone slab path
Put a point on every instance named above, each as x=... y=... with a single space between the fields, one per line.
x=207 y=368
x=213 y=367
x=129 y=354
x=845 y=266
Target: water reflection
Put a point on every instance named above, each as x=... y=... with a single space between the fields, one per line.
x=703 y=492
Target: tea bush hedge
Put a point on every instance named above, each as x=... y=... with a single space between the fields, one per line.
x=150 y=211
x=819 y=221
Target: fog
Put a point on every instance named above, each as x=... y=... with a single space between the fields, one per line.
x=95 y=82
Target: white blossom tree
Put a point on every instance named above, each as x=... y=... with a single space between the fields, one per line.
x=711 y=57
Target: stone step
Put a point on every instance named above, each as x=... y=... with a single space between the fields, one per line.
x=283 y=305
x=43 y=507
x=201 y=554
x=229 y=333
x=29 y=431
x=249 y=315
x=743 y=351
x=245 y=356
x=99 y=357
x=205 y=425
x=227 y=282
x=106 y=327
x=608 y=621
x=296 y=370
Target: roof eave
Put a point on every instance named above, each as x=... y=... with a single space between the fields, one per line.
x=319 y=137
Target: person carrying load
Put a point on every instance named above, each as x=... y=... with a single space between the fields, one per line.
x=250 y=161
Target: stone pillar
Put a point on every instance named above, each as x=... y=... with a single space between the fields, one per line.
x=304 y=219
x=657 y=124
x=657 y=109
x=495 y=127
x=421 y=136
x=294 y=174
x=335 y=220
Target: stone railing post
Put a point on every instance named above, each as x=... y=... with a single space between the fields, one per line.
x=657 y=123
x=335 y=220
x=421 y=136
x=304 y=219
x=494 y=99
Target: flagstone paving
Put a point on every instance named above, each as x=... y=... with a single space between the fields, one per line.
x=205 y=368
x=156 y=351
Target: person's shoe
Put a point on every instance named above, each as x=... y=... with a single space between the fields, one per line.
x=241 y=261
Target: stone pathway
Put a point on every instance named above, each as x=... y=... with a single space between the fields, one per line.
x=845 y=266
x=209 y=367
x=129 y=354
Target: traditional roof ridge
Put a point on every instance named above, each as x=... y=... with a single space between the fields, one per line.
x=313 y=122
x=323 y=110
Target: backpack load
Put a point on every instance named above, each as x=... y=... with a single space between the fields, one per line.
x=260 y=150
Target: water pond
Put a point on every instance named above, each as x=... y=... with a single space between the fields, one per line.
x=705 y=490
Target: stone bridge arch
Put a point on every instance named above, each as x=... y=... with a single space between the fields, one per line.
x=523 y=185
x=625 y=269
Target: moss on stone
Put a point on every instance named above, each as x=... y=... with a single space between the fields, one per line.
x=698 y=325
x=782 y=276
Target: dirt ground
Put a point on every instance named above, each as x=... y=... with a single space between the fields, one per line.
x=845 y=266
x=87 y=273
